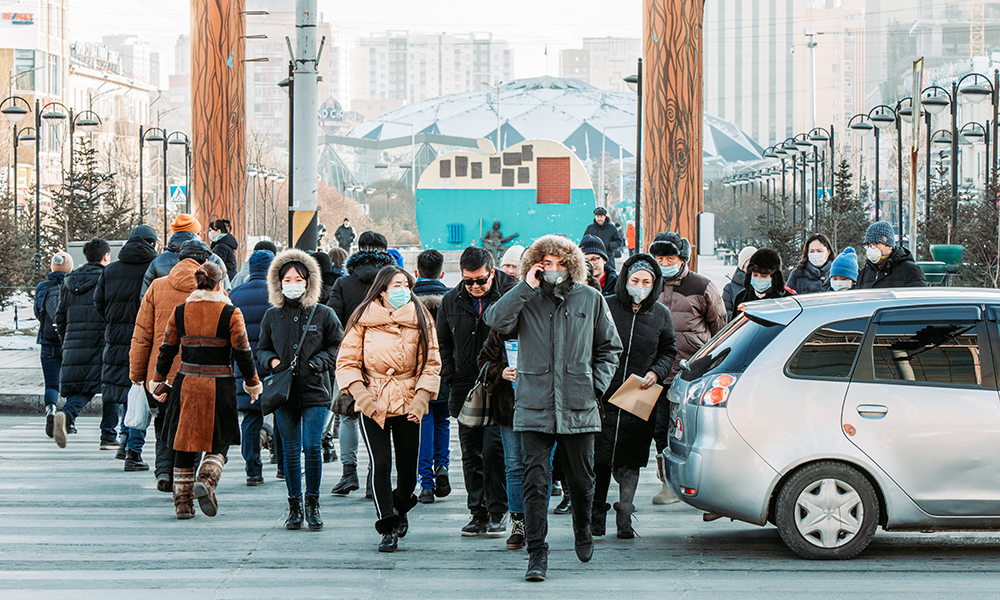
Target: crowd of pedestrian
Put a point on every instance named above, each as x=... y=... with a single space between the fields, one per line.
x=366 y=350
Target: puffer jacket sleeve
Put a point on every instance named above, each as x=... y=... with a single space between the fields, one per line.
x=148 y=277
x=430 y=378
x=142 y=339
x=503 y=316
x=99 y=302
x=715 y=309
x=39 y=306
x=60 y=319
x=607 y=348
x=350 y=359
x=914 y=276
x=333 y=333
x=170 y=347
x=666 y=350
x=241 y=353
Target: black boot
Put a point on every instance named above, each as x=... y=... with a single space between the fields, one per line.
x=133 y=461
x=348 y=483
x=599 y=519
x=402 y=507
x=294 y=513
x=313 y=518
x=538 y=564
x=388 y=527
x=329 y=451
x=50 y=419
x=122 y=453
x=564 y=506
x=624 y=520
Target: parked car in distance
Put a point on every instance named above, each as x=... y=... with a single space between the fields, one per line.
x=829 y=415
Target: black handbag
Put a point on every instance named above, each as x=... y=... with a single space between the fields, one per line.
x=278 y=386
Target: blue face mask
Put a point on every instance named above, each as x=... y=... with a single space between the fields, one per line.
x=761 y=284
x=399 y=297
x=670 y=271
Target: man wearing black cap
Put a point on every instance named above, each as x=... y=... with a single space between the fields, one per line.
x=603 y=228
x=117 y=301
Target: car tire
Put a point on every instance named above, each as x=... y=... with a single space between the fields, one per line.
x=827 y=511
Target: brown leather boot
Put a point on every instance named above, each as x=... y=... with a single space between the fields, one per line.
x=208 y=479
x=183 y=495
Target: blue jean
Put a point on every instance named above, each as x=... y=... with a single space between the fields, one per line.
x=250 y=428
x=51 y=363
x=136 y=439
x=348 y=436
x=302 y=430
x=111 y=418
x=514 y=467
x=75 y=403
x=434 y=439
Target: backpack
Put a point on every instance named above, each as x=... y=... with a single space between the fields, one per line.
x=47 y=324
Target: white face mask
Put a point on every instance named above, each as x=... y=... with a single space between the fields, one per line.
x=839 y=285
x=873 y=253
x=293 y=291
x=818 y=259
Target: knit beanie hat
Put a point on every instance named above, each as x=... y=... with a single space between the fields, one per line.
x=512 y=256
x=145 y=233
x=61 y=263
x=641 y=265
x=881 y=233
x=845 y=265
x=591 y=244
x=744 y=256
x=185 y=222
x=195 y=249
x=260 y=261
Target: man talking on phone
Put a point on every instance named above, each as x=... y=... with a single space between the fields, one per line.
x=568 y=350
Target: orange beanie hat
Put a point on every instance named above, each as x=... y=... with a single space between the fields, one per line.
x=185 y=222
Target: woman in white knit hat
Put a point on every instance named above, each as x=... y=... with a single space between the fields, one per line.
x=511 y=259
x=735 y=285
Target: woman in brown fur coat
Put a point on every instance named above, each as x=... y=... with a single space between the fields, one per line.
x=201 y=411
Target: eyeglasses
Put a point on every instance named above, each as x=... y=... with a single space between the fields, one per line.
x=472 y=282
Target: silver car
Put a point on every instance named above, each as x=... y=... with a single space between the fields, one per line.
x=829 y=415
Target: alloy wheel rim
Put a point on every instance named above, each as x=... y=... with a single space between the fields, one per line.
x=829 y=513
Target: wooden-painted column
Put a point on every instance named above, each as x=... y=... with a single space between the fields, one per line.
x=672 y=107
x=218 y=124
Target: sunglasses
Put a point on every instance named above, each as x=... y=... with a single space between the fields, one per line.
x=472 y=282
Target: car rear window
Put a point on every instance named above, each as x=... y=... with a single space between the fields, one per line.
x=829 y=352
x=733 y=349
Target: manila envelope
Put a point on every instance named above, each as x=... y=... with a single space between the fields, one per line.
x=638 y=402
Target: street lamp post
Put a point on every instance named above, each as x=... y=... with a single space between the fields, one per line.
x=636 y=81
x=153 y=134
x=883 y=117
x=976 y=93
x=863 y=126
x=936 y=101
x=179 y=138
x=14 y=114
x=792 y=151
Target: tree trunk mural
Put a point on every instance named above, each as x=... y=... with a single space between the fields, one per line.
x=672 y=119
x=218 y=126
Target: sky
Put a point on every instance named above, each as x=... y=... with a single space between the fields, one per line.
x=530 y=26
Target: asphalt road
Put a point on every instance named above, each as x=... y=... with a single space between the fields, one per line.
x=74 y=525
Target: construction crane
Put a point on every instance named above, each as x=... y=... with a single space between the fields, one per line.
x=977 y=24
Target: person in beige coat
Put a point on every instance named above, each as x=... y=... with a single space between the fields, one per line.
x=390 y=363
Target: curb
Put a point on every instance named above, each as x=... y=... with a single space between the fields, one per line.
x=28 y=404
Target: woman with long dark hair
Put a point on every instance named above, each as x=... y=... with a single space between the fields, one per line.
x=812 y=275
x=201 y=414
x=389 y=362
x=294 y=284
x=224 y=245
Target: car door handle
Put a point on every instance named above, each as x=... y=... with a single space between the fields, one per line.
x=872 y=411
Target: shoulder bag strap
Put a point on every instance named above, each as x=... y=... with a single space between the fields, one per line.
x=295 y=358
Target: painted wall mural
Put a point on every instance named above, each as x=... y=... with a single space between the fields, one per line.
x=218 y=125
x=672 y=118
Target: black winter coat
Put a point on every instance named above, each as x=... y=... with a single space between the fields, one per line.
x=609 y=234
x=117 y=300
x=348 y=292
x=225 y=248
x=808 y=279
x=47 y=335
x=732 y=289
x=897 y=271
x=280 y=331
x=462 y=334
x=610 y=280
x=251 y=299
x=81 y=330
x=165 y=261
x=649 y=345
x=431 y=292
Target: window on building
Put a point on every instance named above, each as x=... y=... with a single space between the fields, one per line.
x=848 y=50
x=848 y=65
x=836 y=67
x=24 y=70
x=55 y=76
x=836 y=85
x=836 y=101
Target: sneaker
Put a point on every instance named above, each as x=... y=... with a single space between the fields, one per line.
x=50 y=419
x=254 y=481
x=564 y=506
x=477 y=526
x=538 y=564
x=426 y=496
x=109 y=445
x=496 y=526
x=59 y=429
x=70 y=427
x=442 y=486
x=516 y=539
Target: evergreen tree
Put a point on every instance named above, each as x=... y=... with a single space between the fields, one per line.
x=843 y=218
x=88 y=204
x=937 y=230
x=779 y=234
x=978 y=232
x=17 y=247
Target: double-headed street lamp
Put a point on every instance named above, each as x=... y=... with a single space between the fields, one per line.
x=154 y=135
x=862 y=124
x=978 y=92
x=14 y=113
x=179 y=138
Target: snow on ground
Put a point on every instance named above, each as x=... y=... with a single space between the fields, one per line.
x=18 y=325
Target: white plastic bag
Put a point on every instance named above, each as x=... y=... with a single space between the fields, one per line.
x=137 y=411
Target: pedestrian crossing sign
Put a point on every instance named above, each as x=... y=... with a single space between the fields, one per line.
x=178 y=194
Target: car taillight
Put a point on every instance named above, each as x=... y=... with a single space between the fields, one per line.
x=689 y=491
x=717 y=391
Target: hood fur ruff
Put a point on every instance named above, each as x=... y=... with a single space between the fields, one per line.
x=560 y=246
x=209 y=296
x=314 y=285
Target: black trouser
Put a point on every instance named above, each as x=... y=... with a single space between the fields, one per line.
x=402 y=436
x=576 y=453
x=627 y=478
x=190 y=460
x=483 y=469
x=661 y=428
x=164 y=453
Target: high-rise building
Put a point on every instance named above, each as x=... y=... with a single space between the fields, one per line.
x=154 y=69
x=399 y=65
x=602 y=62
x=134 y=53
x=182 y=55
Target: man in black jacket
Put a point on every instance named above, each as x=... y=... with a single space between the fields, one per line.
x=603 y=228
x=462 y=334
x=888 y=265
x=117 y=302
x=81 y=330
x=345 y=236
x=347 y=294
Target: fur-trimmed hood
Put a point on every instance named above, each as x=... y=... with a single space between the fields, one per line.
x=560 y=246
x=366 y=264
x=209 y=296
x=314 y=284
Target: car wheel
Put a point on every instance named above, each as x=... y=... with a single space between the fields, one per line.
x=827 y=510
